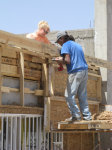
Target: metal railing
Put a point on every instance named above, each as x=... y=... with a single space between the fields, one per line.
x=21 y=132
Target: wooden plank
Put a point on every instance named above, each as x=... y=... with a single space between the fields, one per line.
x=51 y=79
x=21 y=110
x=26 y=90
x=0 y=76
x=34 y=59
x=94 y=124
x=9 y=61
x=31 y=45
x=39 y=92
x=99 y=62
x=47 y=114
x=8 y=52
x=21 y=79
x=45 y=79
x=31 y=65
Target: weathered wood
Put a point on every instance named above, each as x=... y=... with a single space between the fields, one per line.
x=31 y=45
x=10 y=70
x=0 y=76
x=21 y=110
x=26 y=90
x=47 y=114
x=51 y=79
x=94 y=124
x=39 y=92
x=9 y=52
x=27 y=64
x=34 y=59
x=45 y=79
x=21 y=79
x=99 y=62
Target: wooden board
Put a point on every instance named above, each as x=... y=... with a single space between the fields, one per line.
x=94 y=124
x=21 y=110
x=78 y=141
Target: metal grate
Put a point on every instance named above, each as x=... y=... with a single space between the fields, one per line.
x=20 y=132
x=57 y=141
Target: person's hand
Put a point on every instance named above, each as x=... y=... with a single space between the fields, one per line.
x=58 y=59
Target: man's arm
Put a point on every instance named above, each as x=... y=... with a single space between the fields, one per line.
x=66 y=58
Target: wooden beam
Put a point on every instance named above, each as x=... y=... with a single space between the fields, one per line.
x=99 y=62
x=0 y=76
x=94 y=124
x=21 y=79
x=51 y=79
x=21 y=110
x=45 y=79
x=47 y=114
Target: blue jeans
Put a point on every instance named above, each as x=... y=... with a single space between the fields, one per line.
x=77 y=85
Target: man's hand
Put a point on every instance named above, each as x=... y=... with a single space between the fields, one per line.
x=58 y=59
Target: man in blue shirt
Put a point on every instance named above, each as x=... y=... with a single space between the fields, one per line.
x=77 y=68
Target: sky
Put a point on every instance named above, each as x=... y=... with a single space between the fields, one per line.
x=22 y=16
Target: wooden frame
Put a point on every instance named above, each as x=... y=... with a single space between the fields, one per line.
x=56 y=110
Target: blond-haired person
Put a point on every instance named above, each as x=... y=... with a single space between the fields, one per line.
x=40 y=34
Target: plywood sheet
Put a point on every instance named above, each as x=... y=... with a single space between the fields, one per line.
x=78 y=141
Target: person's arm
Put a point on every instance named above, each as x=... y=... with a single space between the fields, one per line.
x=66 y=58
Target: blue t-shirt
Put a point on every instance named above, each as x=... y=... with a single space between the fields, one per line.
x=77 y=60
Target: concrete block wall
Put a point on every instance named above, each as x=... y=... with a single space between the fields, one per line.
x=84 y=37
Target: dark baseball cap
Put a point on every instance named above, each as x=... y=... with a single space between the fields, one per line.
x=60 y=34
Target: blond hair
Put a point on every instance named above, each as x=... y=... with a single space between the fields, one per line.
x=43 y=24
